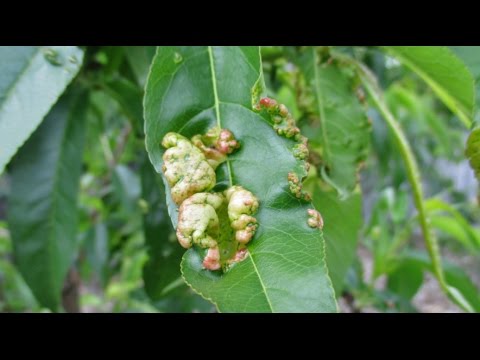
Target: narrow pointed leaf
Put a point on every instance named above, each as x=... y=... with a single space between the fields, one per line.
x=42 y=212
x=31 y=80
x=444 y=72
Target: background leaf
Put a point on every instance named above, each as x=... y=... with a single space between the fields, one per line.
x=140 y=58
x=162 y=268
x=407 y=277
x=96 y=248
x=449 y=220
x=470 y=55
x=454 y=276
x=192 y=89
x=129 y=98
x=472 y=151
x=342 y=130
x=31 y=80
x=341 y=236
x=471 y=58
x=446 y=74
x=42 y=214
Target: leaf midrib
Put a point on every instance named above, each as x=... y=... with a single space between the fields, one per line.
x=217 y=105
x=219 y=123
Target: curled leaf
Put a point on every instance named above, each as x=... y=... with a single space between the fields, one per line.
x=216 y=144
x=186 y=168
x=315 y=220
x=198 y=220
x=242 y=204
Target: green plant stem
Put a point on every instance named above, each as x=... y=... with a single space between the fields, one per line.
x=413 y=175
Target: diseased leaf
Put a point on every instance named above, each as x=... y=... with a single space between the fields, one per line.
x=342 y=131
x=31 y=80
x=444 y=72
x=42 y=213
x=192 y=89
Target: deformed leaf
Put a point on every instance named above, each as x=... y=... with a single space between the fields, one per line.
x=193 y=89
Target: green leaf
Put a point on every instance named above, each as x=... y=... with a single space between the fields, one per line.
x=445 y=73
x=139 y=58
x=472 y=151
x=129 y=98
x=31 y=80
x=418 y=112
x=191 y=89
x=460 y=286
x=17 y=294
x=182 y=299
x=470 y=56
x=127 y=187
x=342 y=225
x=164 y=253
x=454 y=224
x=42 y=213
x=343 y=128
x=96 y=249
x=406 y=278
x=111 y=58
